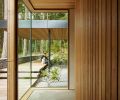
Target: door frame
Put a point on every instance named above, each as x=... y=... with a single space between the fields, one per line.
x=12 y=90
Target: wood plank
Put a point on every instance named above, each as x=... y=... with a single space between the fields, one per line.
x=102 y=56
x=50 y=5
x=94 y=49
x=103 y=46
x=91 y=37
x=100 y=50
x=97 y=51
x=12 y=55
x=114 y=51
x=108 y=51
x=72 y=49
x=78 y=50
x=118 y=49
x=42 y=34
x=52 y=1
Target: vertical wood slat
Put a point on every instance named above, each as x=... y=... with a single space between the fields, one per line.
x=100 y=50
x=94 y=49
x=85 y=77
x=97 y=52
x=12 y=55
x=103 y=15
x=71 y=49
x=91 y=58
x=89 y=50
x=78 y=16
x=108 y=52
x=98 y=67
x=114 y=51
x=118 y=49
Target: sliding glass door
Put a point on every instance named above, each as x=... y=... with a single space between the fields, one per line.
x=3 y=49
x=42 y=50
x=50 y=45
x=24 y=49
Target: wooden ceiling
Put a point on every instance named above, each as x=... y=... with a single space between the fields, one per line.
x=42 y=33
x=47 y=6
x=50 y=5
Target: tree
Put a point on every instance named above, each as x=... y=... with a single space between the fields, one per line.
x=24 y=14
x=5 y=42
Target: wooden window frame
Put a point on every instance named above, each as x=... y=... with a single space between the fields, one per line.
x=12 y=50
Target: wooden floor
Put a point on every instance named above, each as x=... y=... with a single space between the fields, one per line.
x=49 y=94
x=52 y=95
x=3 y=89
x=24 y=84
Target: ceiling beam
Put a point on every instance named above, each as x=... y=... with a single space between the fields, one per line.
x=49 y=5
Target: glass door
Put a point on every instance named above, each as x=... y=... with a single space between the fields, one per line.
x=50 y=45
x=24 y=49
x=3 y=49
x=42 y=50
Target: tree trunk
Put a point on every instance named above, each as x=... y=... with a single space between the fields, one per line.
x=25 y=40
x=25 y=47
x=4 y=49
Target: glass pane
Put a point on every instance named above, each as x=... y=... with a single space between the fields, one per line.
x=24 y=49
x=3 y=49
x=50 y=50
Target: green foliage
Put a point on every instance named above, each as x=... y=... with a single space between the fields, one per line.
x=1 y=9
x=55 y=46
x=55 y=74
x=44 y=73
x=61 y=16
x=21 y=7
x=59 y=58
x=39 y=46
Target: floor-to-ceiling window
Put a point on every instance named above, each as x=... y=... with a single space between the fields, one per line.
x=24 y=49
x=3 y=49
x=50 y=43
x=42 y=49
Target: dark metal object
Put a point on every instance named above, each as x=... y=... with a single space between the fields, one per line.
x=49 y=45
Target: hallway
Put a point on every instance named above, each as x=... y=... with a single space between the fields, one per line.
x=38 y=94
x=93 y=59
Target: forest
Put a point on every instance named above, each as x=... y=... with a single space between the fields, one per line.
x=58 y=48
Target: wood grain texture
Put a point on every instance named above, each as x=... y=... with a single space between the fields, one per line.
x=95 y=46
x=41 y=5
x=12 y=52
x=42 y=33
x=96 y=49
x=118 y=49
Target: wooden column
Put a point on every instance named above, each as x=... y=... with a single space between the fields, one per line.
x=12 y=50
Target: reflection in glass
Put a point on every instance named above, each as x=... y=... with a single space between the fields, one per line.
x=3 y=49
x=42 y=50
x=24 y=54
x=50 y=44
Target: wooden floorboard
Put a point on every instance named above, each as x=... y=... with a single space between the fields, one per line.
x=3 y=89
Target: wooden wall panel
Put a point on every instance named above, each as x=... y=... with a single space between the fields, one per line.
x=114 y=51
x=71 y=49
x=118 y=49
x=96 y=49
x=108 y=51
